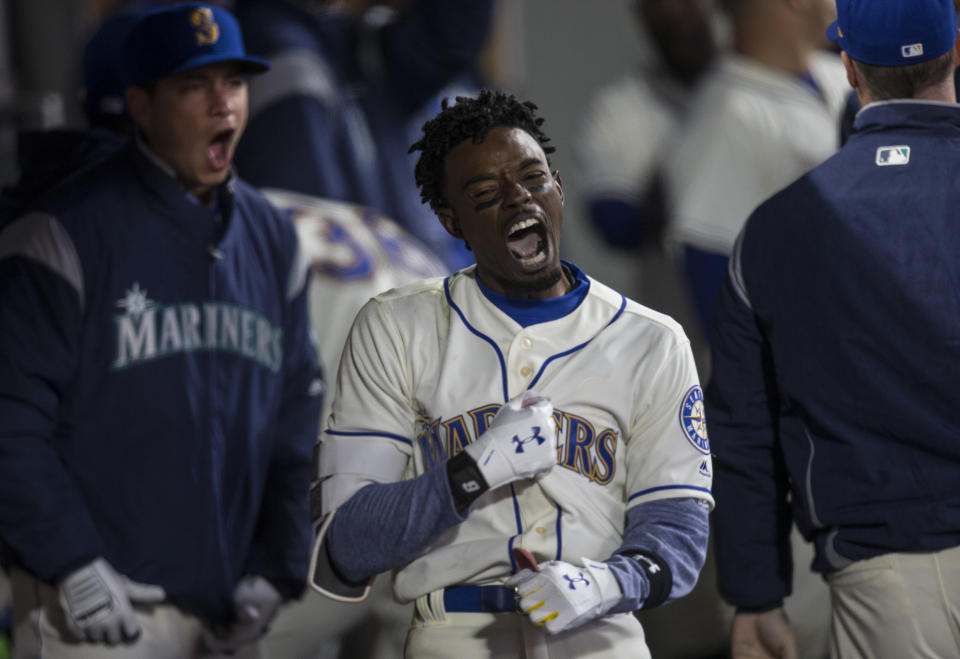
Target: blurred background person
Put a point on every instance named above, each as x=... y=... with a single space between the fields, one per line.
x=768 y=112
x=336 y=116
x=354 y=253
x=628 y=130
x=46 y=157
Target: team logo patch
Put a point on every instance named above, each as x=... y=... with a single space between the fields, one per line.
x=911 y=50
x=207 y=31
x=692 y=419
x=893 y=155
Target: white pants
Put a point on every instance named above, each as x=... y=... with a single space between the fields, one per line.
x=437 y=634
x=40 y=630
x=897 y=606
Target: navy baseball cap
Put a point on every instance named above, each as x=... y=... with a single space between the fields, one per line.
x=894 y=32
x=173 y=39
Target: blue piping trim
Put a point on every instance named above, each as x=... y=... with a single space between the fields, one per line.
x=513 y=563
x=623 y=305
x=503 y=365
x=559 y=532
x=669 y=487
x=345 y=433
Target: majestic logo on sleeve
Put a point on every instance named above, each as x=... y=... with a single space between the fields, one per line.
x=147 y=330
x=692 y=419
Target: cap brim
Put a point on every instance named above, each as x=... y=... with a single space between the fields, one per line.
x=833 y=32
x=249 y=63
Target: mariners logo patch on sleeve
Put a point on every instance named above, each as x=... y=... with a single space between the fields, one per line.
x=692 y=419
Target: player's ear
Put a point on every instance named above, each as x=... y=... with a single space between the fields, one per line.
x=448 y=218
x=556 y=177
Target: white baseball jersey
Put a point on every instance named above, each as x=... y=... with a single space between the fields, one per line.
x=354 y=252
x=753 y=130
x=624 y=133
x=427 y=366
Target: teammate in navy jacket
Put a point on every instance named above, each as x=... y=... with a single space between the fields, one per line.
x=158 y=389
x=833 y=400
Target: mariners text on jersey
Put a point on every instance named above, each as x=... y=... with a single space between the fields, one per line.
x=582 y=447
x=146 y=330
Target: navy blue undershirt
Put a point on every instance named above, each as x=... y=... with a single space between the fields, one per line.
x=530 y=311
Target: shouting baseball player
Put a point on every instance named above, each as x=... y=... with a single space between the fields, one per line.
x=522 y=445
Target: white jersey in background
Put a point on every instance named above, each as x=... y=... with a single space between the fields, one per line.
x=752 y=130
x=355 y=252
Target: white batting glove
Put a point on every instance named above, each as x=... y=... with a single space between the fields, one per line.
x=97 y=602
x=562 y=596
x=256 y=602
x=520 y=442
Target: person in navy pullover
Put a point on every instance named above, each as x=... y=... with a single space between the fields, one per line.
x=159 y=392
x=833 y=400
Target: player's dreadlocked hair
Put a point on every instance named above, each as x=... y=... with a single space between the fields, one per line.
x=468 y=118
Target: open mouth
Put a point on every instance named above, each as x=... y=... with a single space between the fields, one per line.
x=527 y=242
x=218 y=151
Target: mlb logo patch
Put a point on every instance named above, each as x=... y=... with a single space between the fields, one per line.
x=911 y=50
x=893 y=155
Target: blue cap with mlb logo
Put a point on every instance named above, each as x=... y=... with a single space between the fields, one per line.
x=176 y=38
x=894 y=32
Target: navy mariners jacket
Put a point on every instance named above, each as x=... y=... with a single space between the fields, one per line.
x=158 y=388
x=834 y=396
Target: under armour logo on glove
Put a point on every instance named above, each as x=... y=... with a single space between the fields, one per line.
x=575 y=580
x=558 y=595
x=536 y=436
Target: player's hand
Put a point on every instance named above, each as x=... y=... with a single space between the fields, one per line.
x=97 y=602
x=766 y=635
x=256 y=602
x=520 y=442
x=562 y=596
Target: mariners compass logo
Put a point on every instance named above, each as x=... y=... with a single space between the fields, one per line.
x=693 y=420
x=135 y=301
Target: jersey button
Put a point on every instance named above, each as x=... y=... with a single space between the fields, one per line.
x=541 y=530
x=526 y=343
x=526 y=371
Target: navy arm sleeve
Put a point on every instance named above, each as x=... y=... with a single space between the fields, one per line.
x=753 y=519
x=43 y=519
x=281 y=546
x=672 y=535
x=386 y=525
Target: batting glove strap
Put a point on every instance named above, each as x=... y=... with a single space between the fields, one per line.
x=520 y=442
x=658 y=574
x=562 y=596
x=466 y=480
